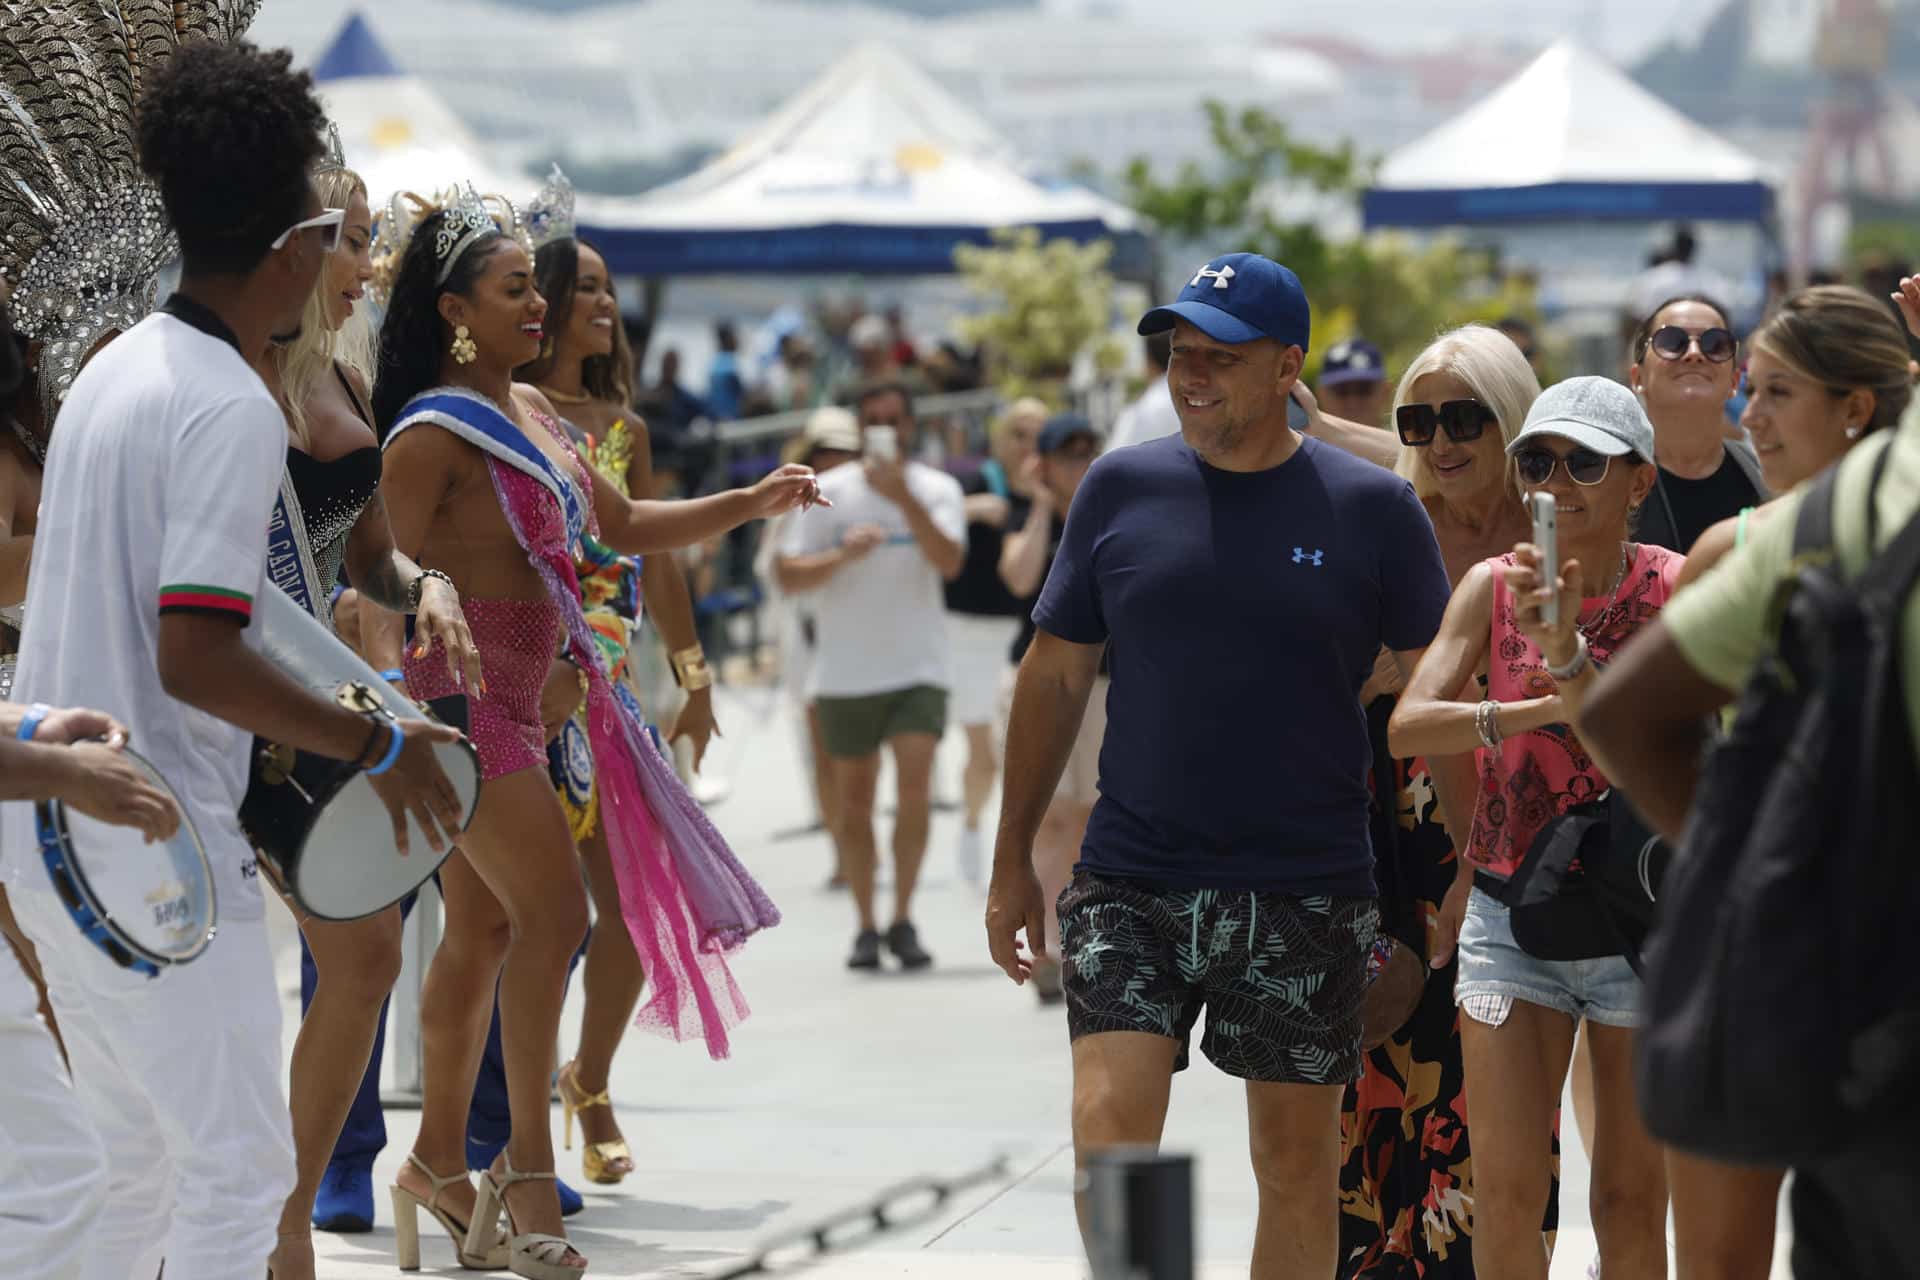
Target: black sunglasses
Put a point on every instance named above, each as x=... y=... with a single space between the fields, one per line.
x=1536 y=465
x=1671 y=342
x=1463 y=420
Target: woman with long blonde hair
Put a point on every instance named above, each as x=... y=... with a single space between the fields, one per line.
x=335 y=519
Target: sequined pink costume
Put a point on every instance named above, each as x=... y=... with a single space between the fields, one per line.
x=686 y=899
x=517 y=640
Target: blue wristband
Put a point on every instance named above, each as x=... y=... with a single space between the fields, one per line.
x=30 y=723
x=395 y=741
x=393 y=675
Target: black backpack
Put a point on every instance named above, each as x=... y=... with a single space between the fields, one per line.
x=1781 y=1023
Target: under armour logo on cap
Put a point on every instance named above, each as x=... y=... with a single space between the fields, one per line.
x=1317 y=559
x=1237 y=298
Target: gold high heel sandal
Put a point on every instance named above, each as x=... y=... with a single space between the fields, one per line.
x=474 y=1254
x=596 y=1158
x=531 y=1254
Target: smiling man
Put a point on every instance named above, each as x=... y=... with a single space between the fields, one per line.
x=1247 y=577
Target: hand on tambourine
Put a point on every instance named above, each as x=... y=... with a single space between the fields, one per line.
x=101 y=782
x=417 y=785
x=78 y=724
x=439 y=618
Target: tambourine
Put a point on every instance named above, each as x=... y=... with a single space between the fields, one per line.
x=147 y=906
x=322 y=833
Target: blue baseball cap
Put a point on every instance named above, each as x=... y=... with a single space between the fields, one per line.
x=1241 y=297
x=1062 y=428
x=1355 y=360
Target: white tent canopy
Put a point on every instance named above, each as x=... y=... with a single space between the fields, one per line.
x=873 y=167
x=397 y=133
x=1571 y=136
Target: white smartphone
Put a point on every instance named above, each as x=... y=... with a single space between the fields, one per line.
x=883 y=444
x=1546 y=538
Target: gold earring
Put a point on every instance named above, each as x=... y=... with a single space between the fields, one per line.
x=546 y=348
x=464 y=350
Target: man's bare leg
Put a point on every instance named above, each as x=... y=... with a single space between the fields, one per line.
x=1122 y=1081
x=1294 y=1136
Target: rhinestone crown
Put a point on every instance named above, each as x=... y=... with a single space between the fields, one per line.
x=550 y=213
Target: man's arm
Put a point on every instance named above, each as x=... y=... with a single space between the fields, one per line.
x=1049 y=701
x=1023 y=555
x=945 y=551
x=1645 y=722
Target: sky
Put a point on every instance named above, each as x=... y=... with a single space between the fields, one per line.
x=1624 y=29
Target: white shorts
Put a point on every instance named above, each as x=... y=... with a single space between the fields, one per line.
x=53 y=1170
x=982 y=649
x=180 y=1079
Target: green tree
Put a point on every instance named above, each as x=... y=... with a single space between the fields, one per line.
x=1398 y=294
x=1050 y=302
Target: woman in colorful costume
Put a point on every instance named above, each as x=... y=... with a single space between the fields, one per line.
x=483 y=484
x=585 y=370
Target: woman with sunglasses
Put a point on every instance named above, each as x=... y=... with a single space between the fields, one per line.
x=1828 y=368
x=320 y=378
x=1588 y=444
x=1685 y=371
x=1406 y=1184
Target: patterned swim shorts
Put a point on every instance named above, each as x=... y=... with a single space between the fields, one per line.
x=1280 y=976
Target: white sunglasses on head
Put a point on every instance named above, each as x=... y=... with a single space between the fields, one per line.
x=328 y=220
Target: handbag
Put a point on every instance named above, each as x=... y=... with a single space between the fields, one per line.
x=1589 y=884
x=1396 y=980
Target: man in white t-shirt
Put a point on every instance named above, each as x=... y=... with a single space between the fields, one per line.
x=875 y=562
x=1152 y=415
x=150 y=550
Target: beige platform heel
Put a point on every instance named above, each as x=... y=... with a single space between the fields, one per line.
x=476 y=1250
x=531 y=1255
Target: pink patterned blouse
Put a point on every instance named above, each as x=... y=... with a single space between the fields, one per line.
x=1539 y=775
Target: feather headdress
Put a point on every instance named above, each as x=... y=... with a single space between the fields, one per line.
x=83 y=236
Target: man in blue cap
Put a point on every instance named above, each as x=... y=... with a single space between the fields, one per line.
x=1353 y=382
x=1247 y=577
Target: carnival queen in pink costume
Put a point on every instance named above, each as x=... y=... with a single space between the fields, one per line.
x=485 y=487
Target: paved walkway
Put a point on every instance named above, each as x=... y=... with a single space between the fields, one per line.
x=842 y=1085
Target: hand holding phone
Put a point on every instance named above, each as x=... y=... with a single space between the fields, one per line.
x=882 y=444
x=1546 y=540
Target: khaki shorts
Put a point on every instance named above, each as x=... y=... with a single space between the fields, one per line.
x=856 y=727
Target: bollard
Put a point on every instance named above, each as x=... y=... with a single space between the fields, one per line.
x=1139 y=1214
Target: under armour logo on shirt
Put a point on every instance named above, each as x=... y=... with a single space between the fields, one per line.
x=1220 y=278
x=1317 y=559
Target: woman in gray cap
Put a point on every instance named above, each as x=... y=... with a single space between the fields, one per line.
x=1588 y=443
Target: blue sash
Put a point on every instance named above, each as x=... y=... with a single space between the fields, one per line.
x=479 y=422
x=290 y=564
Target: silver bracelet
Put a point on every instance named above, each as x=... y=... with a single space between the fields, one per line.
x=1581 y=657
x=1486 y=720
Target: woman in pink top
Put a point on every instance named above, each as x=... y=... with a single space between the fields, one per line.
x=1587 y=442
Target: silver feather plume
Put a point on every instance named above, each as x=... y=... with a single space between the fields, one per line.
x=83 y=236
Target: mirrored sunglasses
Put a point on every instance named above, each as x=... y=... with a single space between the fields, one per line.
x=1584 y=466
x=1671 y=342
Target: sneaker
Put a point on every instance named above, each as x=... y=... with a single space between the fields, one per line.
x=971 y=856
x=866 y=950
x=904 y=941
x=1047 y=986
x=344 y=1203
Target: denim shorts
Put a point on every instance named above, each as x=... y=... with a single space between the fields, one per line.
x=1494 y=972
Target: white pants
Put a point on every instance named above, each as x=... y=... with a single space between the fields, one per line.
x=180 y=1076
x=53 y=1170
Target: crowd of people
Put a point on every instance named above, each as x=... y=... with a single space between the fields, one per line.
x=1297 y=721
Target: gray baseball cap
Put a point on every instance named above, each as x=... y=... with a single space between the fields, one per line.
x=1595 y=413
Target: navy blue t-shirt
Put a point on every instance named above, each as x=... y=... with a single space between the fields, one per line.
x=1246 y=611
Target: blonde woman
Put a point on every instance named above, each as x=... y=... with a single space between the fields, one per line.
x=1406 y=1185
x=334 y=517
